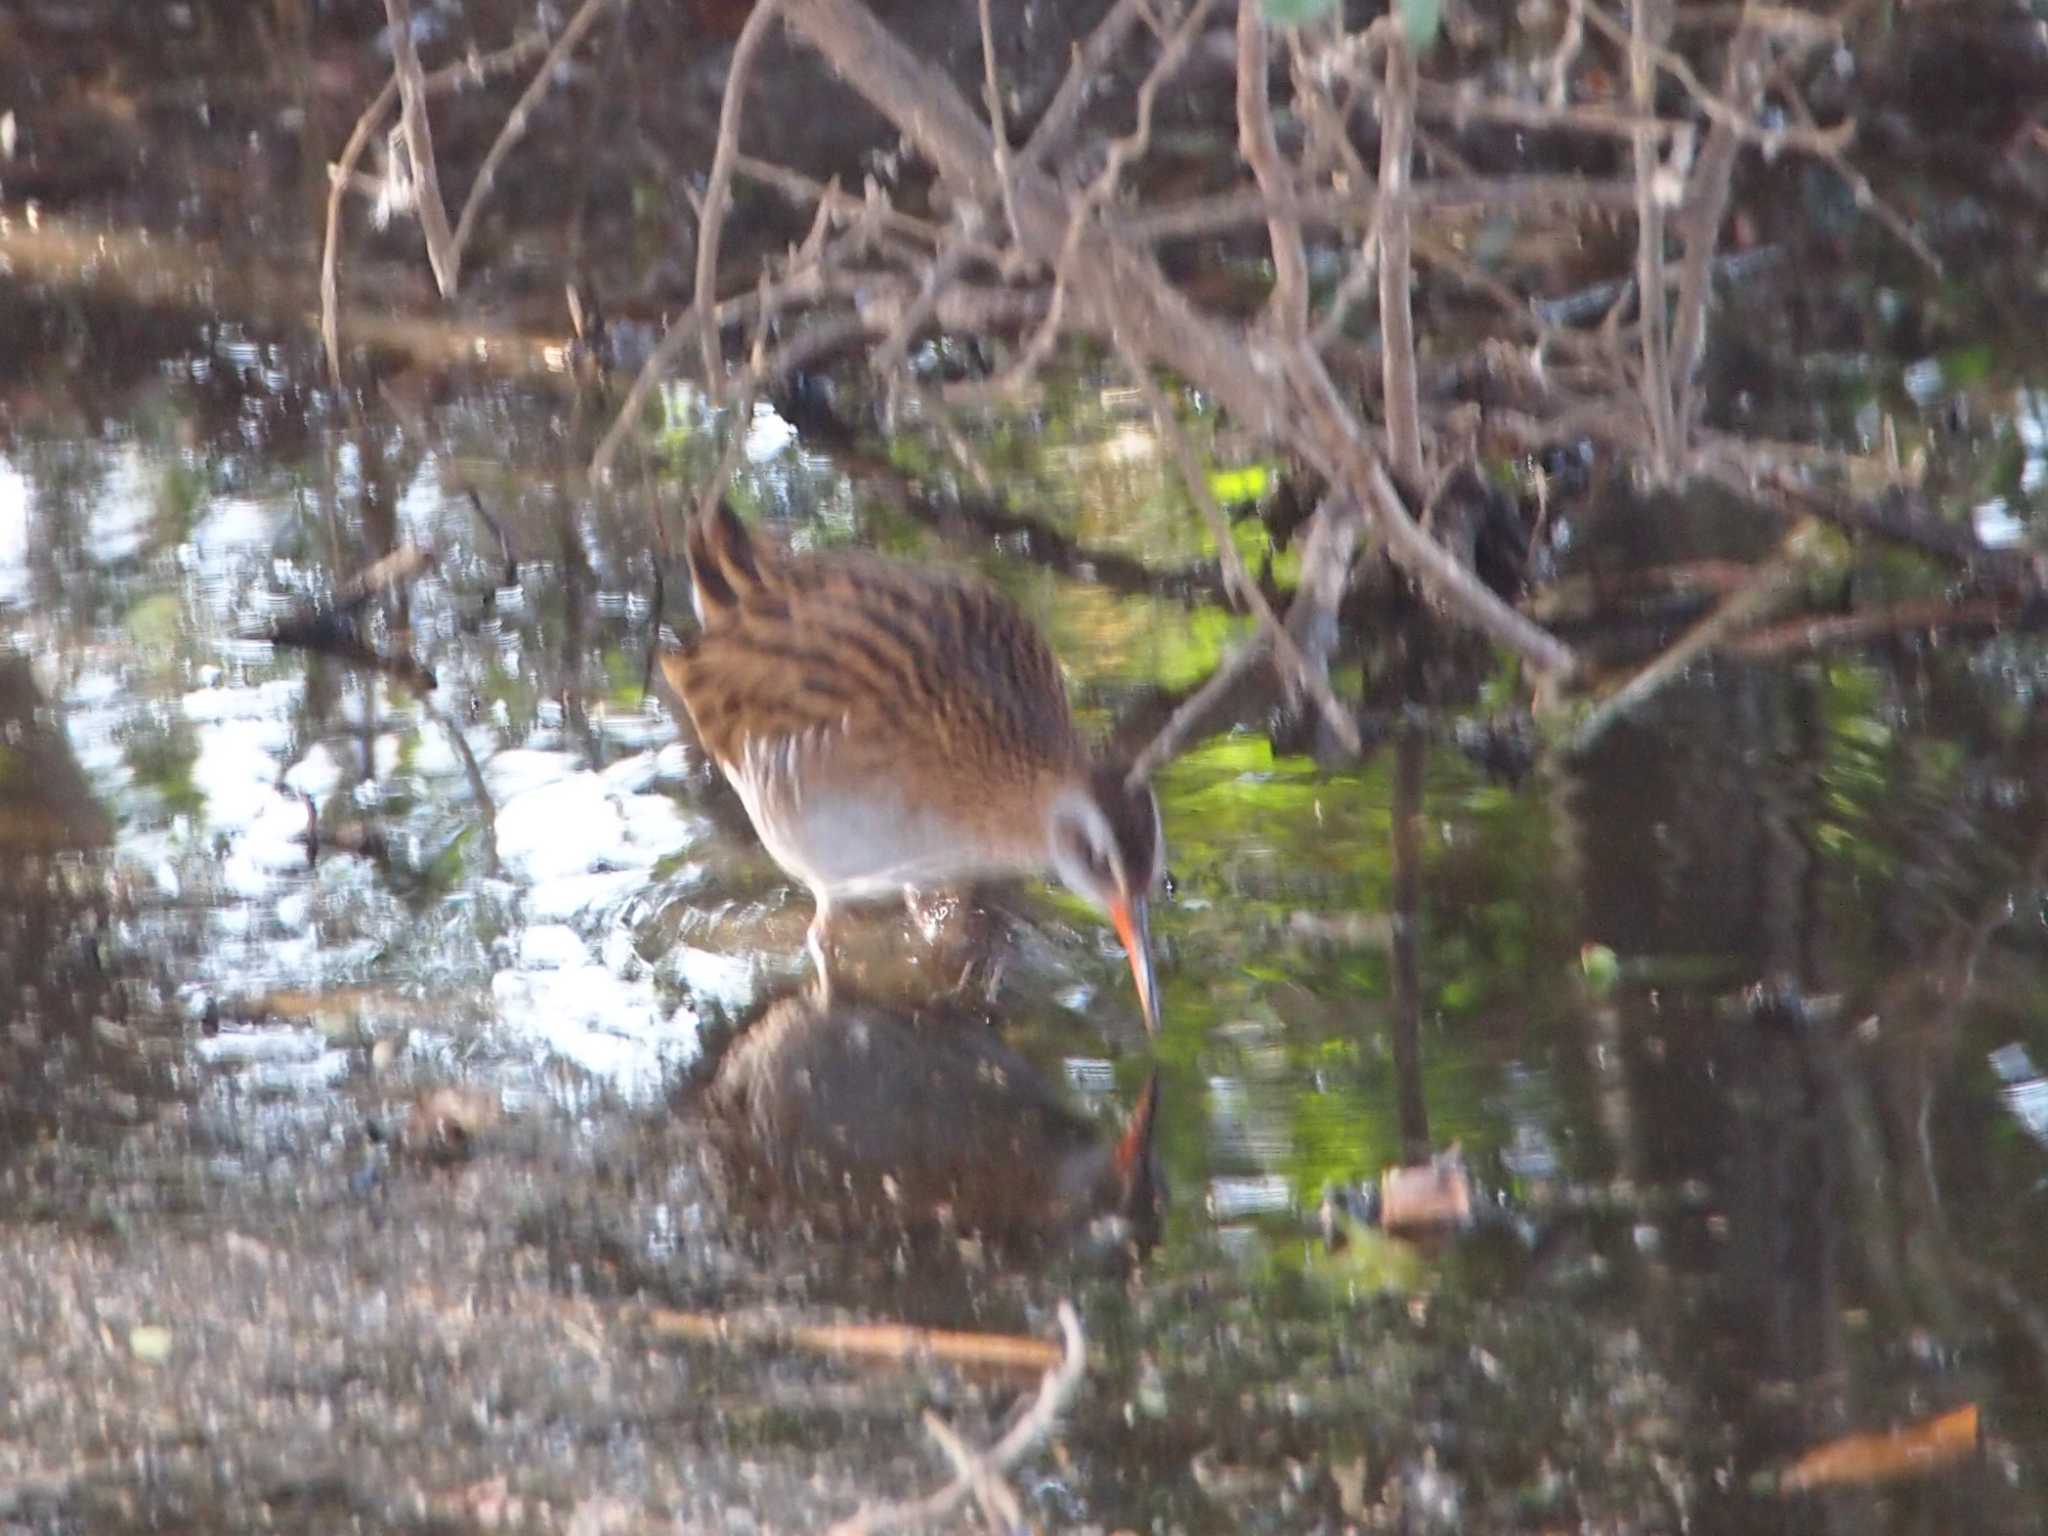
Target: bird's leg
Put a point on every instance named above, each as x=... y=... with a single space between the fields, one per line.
x=817 y=941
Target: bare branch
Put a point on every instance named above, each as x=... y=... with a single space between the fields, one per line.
x=1559 y=65
x=1651 y=201
x=1706 y=205
x=1766 y=589
x=1397 y=320
x=1131 y=146
x=685 y=327
x=1090 y=59
x=999 y=133
x=1289 y=304
x=1328 y=546
x=339 y=175
x=1282 y=394
x=1462 y=104
x=1341 y=451
x=515 y=128
x=419 y=143
x=1354 y=208
x=718 y=188
x=743 y=401
x=342 y=172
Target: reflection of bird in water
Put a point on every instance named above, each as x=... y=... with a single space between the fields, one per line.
x=889 y=727
x=857 y=1115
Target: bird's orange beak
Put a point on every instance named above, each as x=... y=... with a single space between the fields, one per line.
x=1129 y=916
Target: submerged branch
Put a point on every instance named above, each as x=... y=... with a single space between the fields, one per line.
x=1311 y=680
x=1764 y=591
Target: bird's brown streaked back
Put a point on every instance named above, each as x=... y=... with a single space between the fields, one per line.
x=930 y=672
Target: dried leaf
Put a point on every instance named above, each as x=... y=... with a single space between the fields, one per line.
x=1913 y=1450
x=1436 y=1197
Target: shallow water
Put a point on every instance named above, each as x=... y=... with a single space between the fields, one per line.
x=1771 y=1176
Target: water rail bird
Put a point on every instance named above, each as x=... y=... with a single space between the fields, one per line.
x=890 y=726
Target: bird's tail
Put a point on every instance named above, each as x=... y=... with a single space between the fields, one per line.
x=722 y=560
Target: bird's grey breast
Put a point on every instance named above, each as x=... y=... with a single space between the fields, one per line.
x=839 y=826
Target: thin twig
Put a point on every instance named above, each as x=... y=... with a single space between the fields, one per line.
x=1328 y=545
x=1559 y=65
x=1706 y=205
x=1461 y=104
x=479 y=789
x=1354 y=207
x=1337 y=445
x=682 y=330
x=889 y=352
x=998 y=1500
x=1864 y=194
x=1288 y=307
x=862 y=1341
x=419 y=143
x=1796 y=636
x=514 y=129
x=339 y=176
x=743 y=405
x=1397 y=319
x=1363 y=278
x=1655 y=380
x=1090 y=59
x=718 y=188
x=998 y=128
x=1081 y=216
x=843 y=204
x=342 y=173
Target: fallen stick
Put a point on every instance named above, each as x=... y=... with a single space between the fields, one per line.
x=893 y=1342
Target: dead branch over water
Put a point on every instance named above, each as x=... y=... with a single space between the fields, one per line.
x=1050 y=233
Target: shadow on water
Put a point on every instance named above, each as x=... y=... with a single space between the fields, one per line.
x=376 y=1042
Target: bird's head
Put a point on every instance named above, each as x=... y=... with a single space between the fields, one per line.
x=1106 y=845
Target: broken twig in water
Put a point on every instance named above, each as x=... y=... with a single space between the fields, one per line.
x=1293 y=664
x=1055 y=1392
x=1327 y=550
x=1765 y=590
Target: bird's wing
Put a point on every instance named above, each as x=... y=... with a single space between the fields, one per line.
x=897 y=663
